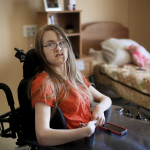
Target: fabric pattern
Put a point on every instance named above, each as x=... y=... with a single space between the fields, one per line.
x=133 y=83
x=132 y=95
x=131 y=75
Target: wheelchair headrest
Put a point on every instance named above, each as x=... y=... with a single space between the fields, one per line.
x=31 y=64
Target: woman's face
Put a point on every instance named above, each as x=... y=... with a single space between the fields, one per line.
x=55 y=57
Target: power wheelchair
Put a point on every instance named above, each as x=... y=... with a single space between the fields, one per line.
x=21 y=120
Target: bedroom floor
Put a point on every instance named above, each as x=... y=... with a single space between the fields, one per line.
x=7 y=143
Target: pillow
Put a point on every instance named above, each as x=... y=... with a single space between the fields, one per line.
x=97 y=55
x=115 y=51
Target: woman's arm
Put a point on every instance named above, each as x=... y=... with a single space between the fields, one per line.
x=47 y=136
x=104 y=104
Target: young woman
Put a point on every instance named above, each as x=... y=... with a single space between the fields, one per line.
x=62 y=84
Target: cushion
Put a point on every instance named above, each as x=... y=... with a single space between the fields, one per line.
x=97 y=55
x=114 y=50
x=31 y=63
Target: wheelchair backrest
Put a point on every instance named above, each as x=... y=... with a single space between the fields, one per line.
x=30 y=68
x=27 y=112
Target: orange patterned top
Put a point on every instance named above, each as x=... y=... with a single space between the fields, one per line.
x=74 y=108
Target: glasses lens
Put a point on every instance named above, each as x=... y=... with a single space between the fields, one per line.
x=64 y=43
x=51 y=46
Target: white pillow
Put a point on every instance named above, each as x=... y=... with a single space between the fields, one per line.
x=97 y=55
x=115 y=51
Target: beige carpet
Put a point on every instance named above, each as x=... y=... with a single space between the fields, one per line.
x=7 y=143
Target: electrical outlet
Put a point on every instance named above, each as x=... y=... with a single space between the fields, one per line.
x=29 y=30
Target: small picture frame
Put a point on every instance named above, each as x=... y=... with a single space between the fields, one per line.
x=52 y=5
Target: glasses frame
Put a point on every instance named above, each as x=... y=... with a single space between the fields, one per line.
x=56 y=46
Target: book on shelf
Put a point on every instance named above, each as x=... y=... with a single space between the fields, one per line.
x=51 y=20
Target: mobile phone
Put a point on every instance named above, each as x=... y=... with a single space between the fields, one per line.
x=113 y=128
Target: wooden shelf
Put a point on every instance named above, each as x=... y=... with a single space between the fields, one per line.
x=65 y=11
x=73 y=34
x=88 y=65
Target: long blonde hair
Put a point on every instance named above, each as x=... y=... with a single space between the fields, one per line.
x=75 y=79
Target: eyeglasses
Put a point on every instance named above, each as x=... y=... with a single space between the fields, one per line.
x=52 y=46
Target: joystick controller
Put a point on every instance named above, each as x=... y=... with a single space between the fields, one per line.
x=136 y=115
x=139 y=116
x=128 y=113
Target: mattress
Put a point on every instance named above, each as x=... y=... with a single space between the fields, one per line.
x=129 y=81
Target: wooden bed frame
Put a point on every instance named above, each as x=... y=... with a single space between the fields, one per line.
x=93 y=34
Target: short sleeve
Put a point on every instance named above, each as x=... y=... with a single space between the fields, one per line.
x=38 y=94
x=86 y=82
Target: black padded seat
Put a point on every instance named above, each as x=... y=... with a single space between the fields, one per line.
x=30 y=68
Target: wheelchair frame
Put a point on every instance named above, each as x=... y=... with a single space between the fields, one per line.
x=13 y=117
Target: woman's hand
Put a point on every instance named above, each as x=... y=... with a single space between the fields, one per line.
x=98 y=115
x=90 y=125
x=104 y=104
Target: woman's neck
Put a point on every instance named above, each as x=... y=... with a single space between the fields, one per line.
x=61 y=70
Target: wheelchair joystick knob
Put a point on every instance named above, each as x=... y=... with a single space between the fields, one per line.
x=128 y=113
x=139 y=116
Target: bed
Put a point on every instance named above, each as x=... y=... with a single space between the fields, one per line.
x=128 y=80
